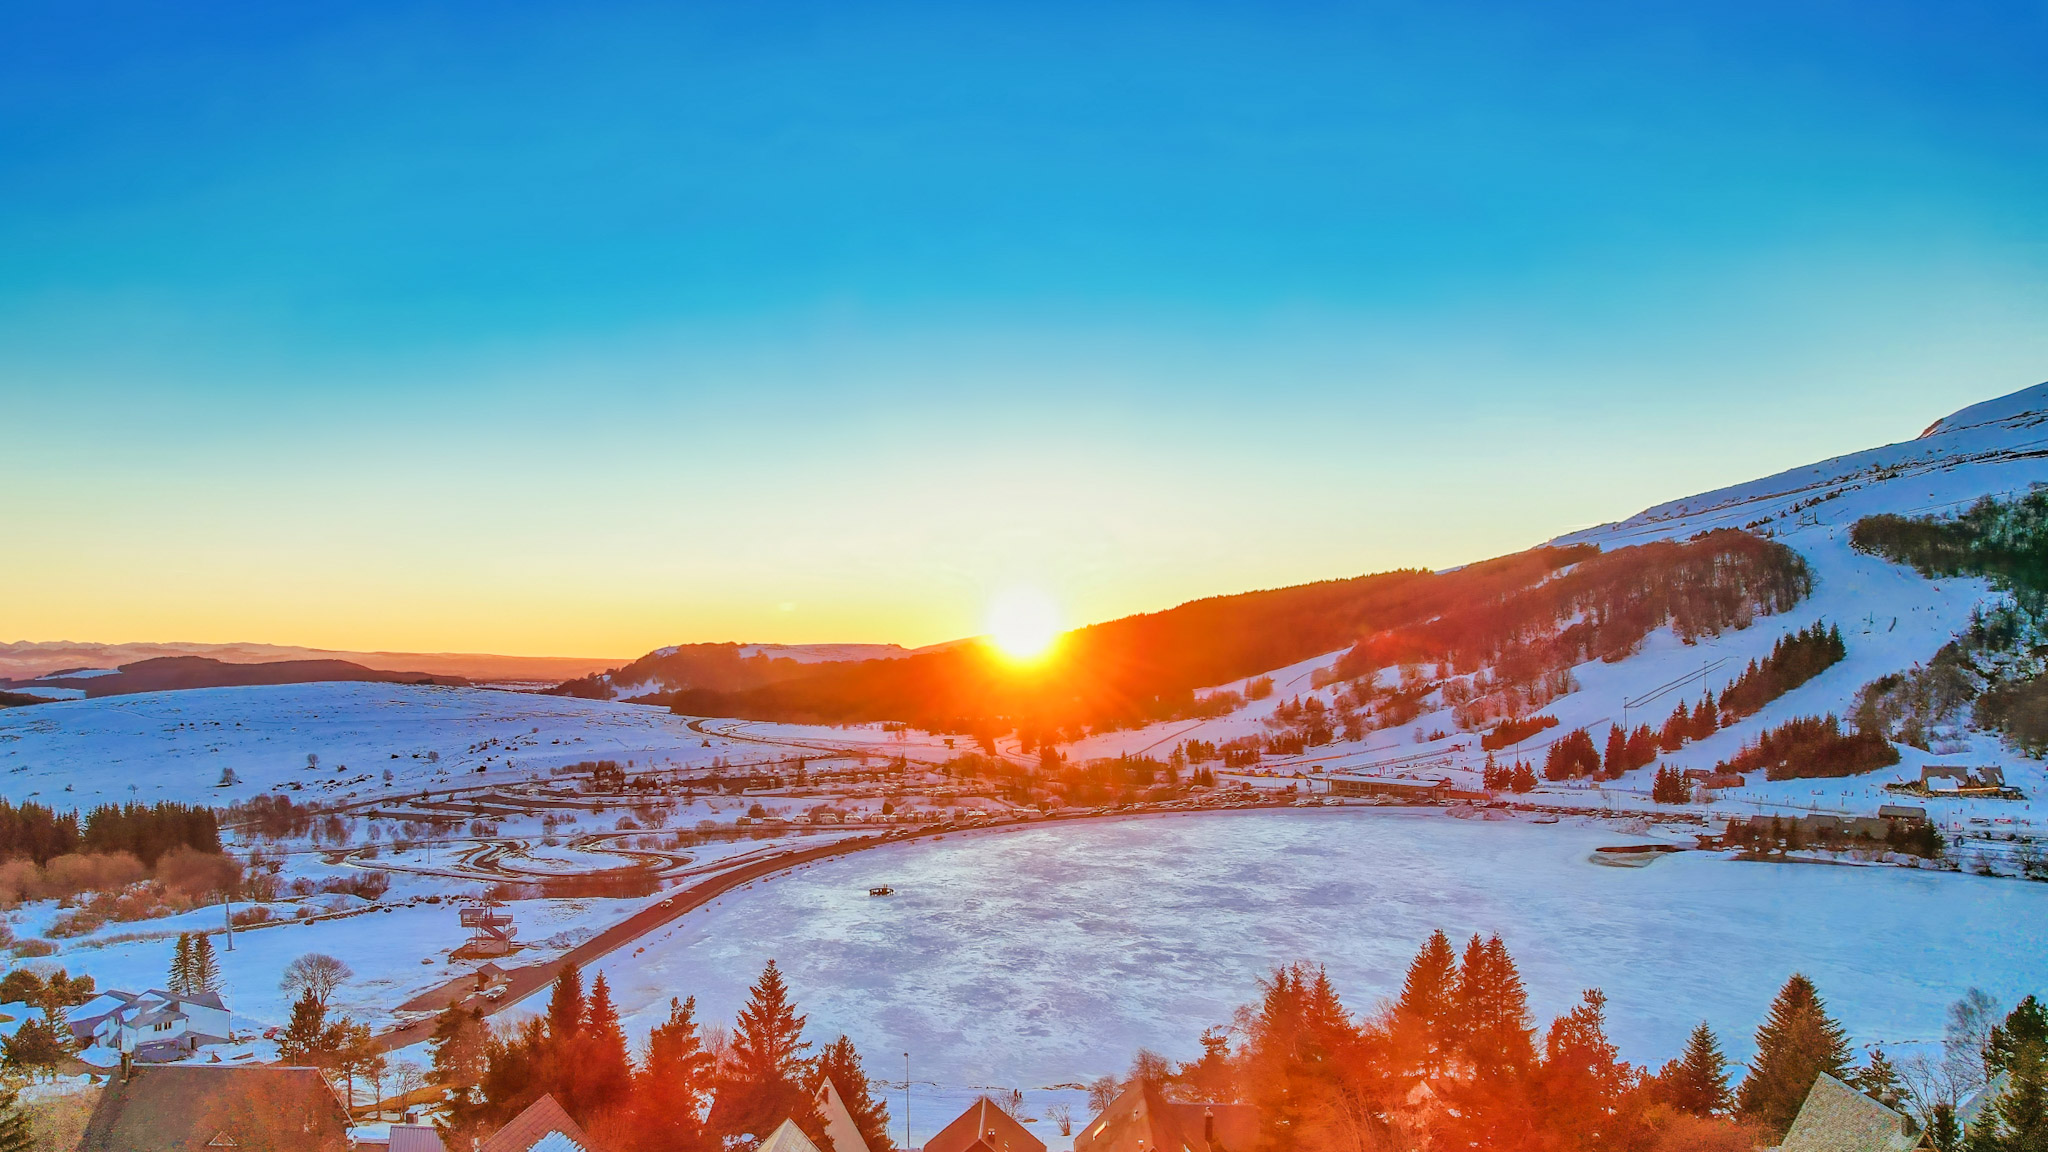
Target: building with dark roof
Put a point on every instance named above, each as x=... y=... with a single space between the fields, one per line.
x=1837 y=1118
x=185 y=1108
x=1140 y=1119
x=984 y=1127
x=543 y=1127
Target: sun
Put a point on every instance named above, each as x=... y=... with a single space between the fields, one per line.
x=1023 y=623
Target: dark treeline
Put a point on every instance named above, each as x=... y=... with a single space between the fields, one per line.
x=1992 y=664
x=1794 y=660
x=1137 y=668
x=2004 y=540
x=146 y=832
x=1780 y=836
x=1812 y=747
x=691 y=1089
x=713 y=667
x=1601 y=609
x=1526 y=616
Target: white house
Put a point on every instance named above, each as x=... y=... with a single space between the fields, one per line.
x=154 y=1025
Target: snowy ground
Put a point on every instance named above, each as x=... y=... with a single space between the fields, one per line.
x=1048 y=956
x=174 y=745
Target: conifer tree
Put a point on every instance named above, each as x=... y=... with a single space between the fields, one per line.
x=673 y=1085
x=205 y=975
x=768 y=1068
x=1493 y=1009
x=1697 y=1082
x=1615 y=759
x=305 y=1039
x=840 y=1063
x=2015 y=1120
x=1880 y=1080
x=1426 y=1015
x=603 y=1072
x=16 y=1133
x=2026 y=1024
x=179 y=982
x=1794 y=1046
x=1583 y=1077
x=565 y=1006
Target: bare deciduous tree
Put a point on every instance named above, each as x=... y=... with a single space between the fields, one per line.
x=316 y=973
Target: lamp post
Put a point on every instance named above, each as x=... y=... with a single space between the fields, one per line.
x=907 y=1146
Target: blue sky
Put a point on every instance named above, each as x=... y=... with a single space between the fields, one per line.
x=590 y=328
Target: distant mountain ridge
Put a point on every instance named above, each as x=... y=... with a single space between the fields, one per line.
x=26 y=660
x=170 y=673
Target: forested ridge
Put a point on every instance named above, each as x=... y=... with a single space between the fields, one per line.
x=1526 y=617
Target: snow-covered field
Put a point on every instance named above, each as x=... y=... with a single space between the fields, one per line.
x=175 y=745
x=1048 y=956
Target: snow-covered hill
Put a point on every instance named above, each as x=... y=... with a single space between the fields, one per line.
x=1891 y=618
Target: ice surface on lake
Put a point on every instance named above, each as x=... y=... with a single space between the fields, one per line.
x=1050 y=955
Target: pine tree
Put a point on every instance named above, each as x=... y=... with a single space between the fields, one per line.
x=1426 y=1015
x=1582 y=1075
x=1698 y=1081
x=180 y=981
x=306 y=1038
x=1524 y=778
x=1880 y=1081
x=1493 y=1009
x=205 y=975
x=673 y=1086
x=2016 y=1120
x=1615 y=759
x=16 y=1133
x=603 y=1070
x=2026 y=1024
x=565 y=1006
x=1794 y=1046
x=765 y=1083
x=840 y=1063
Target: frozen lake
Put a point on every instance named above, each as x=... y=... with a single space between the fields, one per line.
x=1050 y=955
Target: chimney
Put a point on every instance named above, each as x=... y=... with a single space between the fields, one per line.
x=1209 y=1127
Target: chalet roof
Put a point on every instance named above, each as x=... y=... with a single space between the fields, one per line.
x=839 y=1122
x=984 y=1125
x=1901 y=812
x=1837 y=1118
x=416 y=1138
x=173 y=1108
x=1140 y=1119
x=543 y=1127
x=787 y=1137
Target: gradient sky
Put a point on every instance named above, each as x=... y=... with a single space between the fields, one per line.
x=587 y=328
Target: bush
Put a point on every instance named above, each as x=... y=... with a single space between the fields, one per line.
x=195 y=874
x=30 y=948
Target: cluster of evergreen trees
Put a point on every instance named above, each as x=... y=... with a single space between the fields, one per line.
x=147 y=832
x=1794 y=660
x=1457 y=1063
x=688 y=1092
x=1514 y=730
x=1670 y=786
x=1780 y=835
x=194 y=966
x=1812 y=747
x=1516 y=777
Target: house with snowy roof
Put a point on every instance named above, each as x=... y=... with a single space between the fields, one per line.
x=153 y=1025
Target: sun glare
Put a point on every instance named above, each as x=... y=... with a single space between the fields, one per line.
x=1023 y=623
